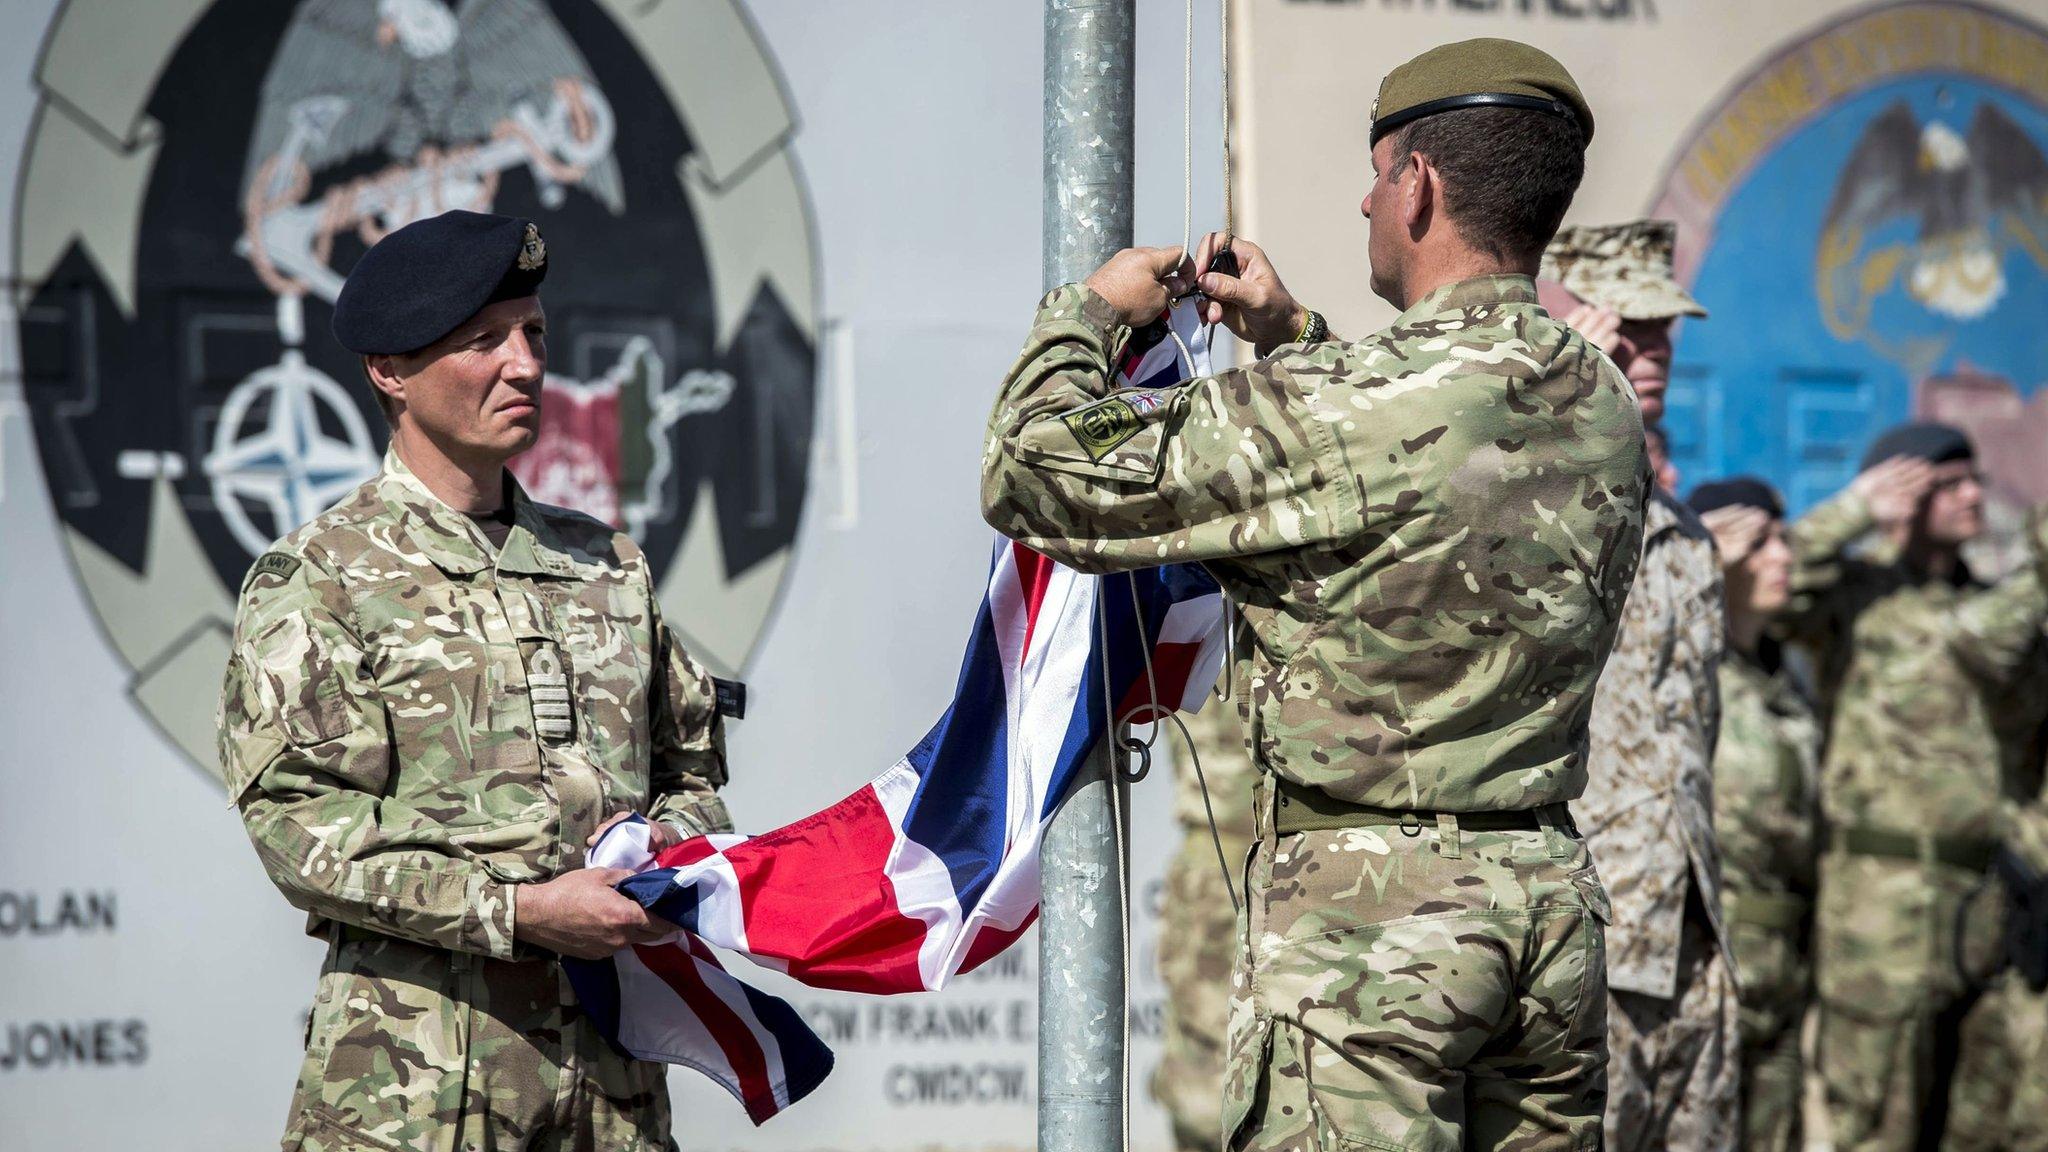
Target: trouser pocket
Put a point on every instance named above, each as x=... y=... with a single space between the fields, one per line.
x=1244 y=1080
x=388 y=1065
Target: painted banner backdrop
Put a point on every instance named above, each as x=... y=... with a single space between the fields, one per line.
x=186 y=218
x=1866 y=216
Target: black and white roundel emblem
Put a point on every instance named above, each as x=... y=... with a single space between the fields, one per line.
x=189 y=209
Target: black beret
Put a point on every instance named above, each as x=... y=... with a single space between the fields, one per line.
x=1932 y=442
x=415 y=285
x=1736 y=491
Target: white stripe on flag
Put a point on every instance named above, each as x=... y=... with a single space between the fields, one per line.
x=1046 y=706
x=655 y=1023
x=721 y=910
x=727 y=988
x=922 y=883
x=1007 y=614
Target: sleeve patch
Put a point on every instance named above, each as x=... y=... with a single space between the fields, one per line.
x=1104 y=426
x=276 y=564
x=732 y=697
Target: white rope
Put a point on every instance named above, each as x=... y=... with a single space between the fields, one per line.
x=1229 y=203
x=1187 y=133
x=1187 y=166
x=1119 y=734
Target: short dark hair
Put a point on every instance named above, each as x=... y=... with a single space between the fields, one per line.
x=1509 y=173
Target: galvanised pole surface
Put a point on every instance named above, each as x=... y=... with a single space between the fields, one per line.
x=1089 y=56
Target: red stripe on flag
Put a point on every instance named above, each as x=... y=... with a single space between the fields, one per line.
x=735 y=1038
x=816 y=894
x=1172 y=664
x=1034 y=575
x=990 y=942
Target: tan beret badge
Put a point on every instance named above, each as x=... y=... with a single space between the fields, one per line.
x=533 y=251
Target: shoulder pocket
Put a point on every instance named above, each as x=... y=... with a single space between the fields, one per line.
x=293 y=680
x=1119 y=437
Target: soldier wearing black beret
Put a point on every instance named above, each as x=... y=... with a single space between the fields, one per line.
x=440 y=692
x=1766 y=814
x=1931 y=679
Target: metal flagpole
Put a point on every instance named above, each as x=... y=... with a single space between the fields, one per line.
x=1089 y=56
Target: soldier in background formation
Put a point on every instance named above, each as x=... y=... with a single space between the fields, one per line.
x=1930 y=685
x=2026 y=1113
x=439 y=693
x=1672 y=1017
x=1431 y=533
x=1197 y=924
x=1766 y=807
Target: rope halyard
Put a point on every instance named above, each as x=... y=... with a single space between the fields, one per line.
x=1125 y=745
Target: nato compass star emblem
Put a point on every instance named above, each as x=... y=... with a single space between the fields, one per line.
x=272 y=449
x=187 y=404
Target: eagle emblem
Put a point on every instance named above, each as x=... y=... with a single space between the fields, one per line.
x=1933 y=212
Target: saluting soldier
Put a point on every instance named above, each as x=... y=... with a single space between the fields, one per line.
x=1929 y=683
x=1431 y=533
x=1766 y=807
x=1672 y=1027
x=439 y=692
x=2025 y=1055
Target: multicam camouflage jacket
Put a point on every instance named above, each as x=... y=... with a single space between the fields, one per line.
x=1649 y=808
x=1767 y=823
x=414 y=723
x=1766 y=781
x=1226 y=767
x=1430 y=531
x=1933 y=689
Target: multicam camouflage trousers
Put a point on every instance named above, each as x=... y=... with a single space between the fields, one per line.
x=1428 y=988
x=1896 y=1015
x=1197 y=943
x=1674 y=1079
x=2024 y=1074
x=417 y=1049
x=1776 y=991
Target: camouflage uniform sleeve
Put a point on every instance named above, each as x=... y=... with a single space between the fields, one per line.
x=1997 y=635
x=1226 y=465
x=1822 y=569
x=689 y=742
x=305 y=748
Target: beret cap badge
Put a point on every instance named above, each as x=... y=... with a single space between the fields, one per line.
x=533 y=251
x=415 y=285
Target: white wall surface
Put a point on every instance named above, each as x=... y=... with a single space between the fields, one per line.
x=918 y=141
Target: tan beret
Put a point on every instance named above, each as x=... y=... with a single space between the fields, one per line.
x=1626 y=267
x=1478 y=74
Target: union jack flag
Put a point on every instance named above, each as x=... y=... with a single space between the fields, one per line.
x=930 y=869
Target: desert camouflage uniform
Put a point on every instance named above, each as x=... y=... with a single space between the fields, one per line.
x=1625 y=267
x=1672 y=1035
x=1431 y=533
x=415 y=723
x=1767 y=822
x=1932 y=699
x=1197 y=933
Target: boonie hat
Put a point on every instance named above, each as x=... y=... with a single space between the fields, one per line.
x=1625 y=267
